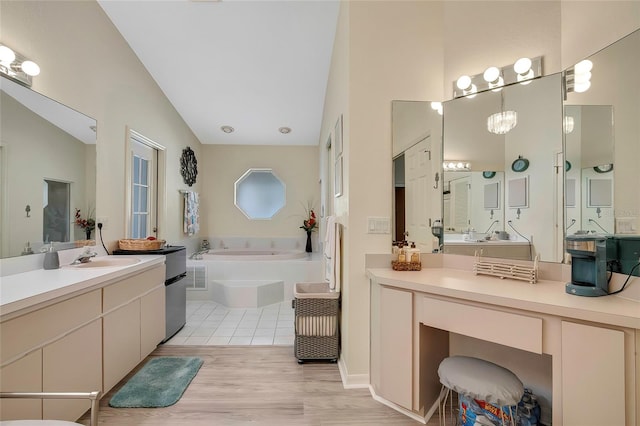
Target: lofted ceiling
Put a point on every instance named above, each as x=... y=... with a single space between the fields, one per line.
x=256 y=66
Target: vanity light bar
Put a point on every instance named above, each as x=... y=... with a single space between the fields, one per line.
x=493 y=78
x=15 y=66
x=451 y=165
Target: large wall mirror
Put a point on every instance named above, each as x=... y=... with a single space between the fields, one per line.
x=602 y=138
x=47 y=170
x=416 y=147
x=503 y=191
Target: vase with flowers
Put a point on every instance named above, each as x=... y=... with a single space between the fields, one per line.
x=309 y=225
x=88 y=224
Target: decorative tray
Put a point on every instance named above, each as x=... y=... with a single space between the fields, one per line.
x=140 y=244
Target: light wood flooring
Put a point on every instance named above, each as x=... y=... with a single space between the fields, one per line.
x=261 y=385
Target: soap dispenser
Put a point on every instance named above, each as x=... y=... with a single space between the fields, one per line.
x=51 y=259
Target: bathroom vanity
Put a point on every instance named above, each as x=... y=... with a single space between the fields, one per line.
x=77 y=329
x=593 y=343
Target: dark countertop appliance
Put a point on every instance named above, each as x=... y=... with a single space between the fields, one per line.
x=175 y=285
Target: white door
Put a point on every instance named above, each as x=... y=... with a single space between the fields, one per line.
x=417 y=207
x=460 y=202
x=144 y=178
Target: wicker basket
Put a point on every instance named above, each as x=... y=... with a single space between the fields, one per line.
x=317 y=332
x=405 y=266
x=140 y=244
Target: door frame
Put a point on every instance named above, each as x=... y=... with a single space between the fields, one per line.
x=161 y=186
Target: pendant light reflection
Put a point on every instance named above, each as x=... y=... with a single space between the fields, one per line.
x=502 y=122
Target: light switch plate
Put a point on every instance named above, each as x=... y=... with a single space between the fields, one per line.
x=378 y=225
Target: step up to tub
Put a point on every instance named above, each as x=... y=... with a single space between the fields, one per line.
x=247 y=293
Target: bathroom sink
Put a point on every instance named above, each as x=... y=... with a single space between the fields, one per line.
x=107 y=262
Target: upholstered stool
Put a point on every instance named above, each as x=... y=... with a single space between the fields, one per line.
x=478 y=379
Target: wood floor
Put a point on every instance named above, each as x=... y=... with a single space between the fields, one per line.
x=259 y=385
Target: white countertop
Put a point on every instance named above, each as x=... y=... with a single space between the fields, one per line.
x=548 y=297
x=34 y=289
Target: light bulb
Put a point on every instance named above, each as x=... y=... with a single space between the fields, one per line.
x=581 y=87
x=436 y=105
x=583 y=66
x=491 y=75
x=30 y=68
x=522 y=65
x=460 y=165
x=452 y=165
x=463 y=82
x=579 y=78
x=6 y=55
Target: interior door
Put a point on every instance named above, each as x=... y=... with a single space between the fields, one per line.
x=417 y=201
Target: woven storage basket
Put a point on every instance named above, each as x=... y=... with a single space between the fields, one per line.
x=317 y=329
x=140 y=244
x=405 y=266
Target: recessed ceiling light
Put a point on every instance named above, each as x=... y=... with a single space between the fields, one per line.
x=227 y=129
x=284 y=130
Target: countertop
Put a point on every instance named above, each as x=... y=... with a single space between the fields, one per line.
x=27 y=291
x=548 y=297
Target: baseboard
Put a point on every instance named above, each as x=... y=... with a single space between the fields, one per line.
x=353 y=381
x=398 y=408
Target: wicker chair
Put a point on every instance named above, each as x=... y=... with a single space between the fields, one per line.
x=94 y=397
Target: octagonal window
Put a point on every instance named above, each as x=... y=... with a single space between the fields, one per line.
x=259 y=194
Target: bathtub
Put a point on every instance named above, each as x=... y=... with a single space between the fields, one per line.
x=253 y=254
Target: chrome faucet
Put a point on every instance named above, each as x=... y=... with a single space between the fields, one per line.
x=85 y=256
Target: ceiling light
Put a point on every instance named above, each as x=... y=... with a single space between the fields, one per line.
x=568 y=124
x=16 y=67
x=583 y=66
x=30 y=68
x=464 y=82
x=284 y=130
x=6 y=55
x=227 y=129
x=501 y=123
x=449 y=165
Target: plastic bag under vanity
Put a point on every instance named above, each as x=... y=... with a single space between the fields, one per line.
x=475 y=412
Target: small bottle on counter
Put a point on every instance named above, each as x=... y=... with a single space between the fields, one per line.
x=395 y=251
x=402 y=257
x=414 y=253
x=51 y=259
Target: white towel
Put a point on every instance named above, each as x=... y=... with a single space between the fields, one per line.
x=191 y=214
x=332 y=253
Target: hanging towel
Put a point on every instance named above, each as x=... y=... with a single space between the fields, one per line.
x=191 y=217
x=332 y=253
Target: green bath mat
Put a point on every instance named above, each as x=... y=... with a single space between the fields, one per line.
x=159 y=383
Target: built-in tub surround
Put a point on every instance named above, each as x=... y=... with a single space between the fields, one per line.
x=252 y=259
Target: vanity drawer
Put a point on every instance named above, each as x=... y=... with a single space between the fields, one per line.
x=516 y=331
x=37 y=328
x=131 y=288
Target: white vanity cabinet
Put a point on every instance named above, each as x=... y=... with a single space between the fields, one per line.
x=581 y=352
x=54 y=348
x=395 y=375
x=134 y=322
x=87 y=336
x=593 y=375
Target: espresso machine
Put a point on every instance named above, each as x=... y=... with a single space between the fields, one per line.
x=590 y=256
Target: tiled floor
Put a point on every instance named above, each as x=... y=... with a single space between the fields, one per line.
x=209 y=323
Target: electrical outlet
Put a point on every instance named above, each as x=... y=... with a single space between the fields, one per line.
x=103 y=220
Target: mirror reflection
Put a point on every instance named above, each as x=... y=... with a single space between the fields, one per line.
x=503 y=196
x=47 y=170
x=602 y=142
x=416 y=142
x=259 y=194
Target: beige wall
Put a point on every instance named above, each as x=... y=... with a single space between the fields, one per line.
x=296 y=166
x=414 y=51
x=88 y=66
